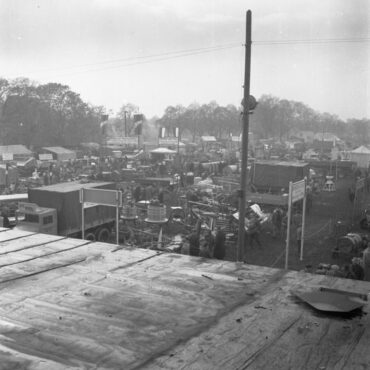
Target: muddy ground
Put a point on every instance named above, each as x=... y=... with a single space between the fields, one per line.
x=332 y=215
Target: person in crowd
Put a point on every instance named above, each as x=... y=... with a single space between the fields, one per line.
x=309 y=200
x=351 y=194
x=297 y=219
x=137 y=193
x=356 y=269
x=299 y=239
x=161 y=195
x=149 y=192
x=366 y=262
x=194 y=240
x=4 y=215
x=220 y=245
x=254 y=230
x=276 y=219
x=208 y=245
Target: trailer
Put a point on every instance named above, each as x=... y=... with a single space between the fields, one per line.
x=64 y=198
x=273 y=176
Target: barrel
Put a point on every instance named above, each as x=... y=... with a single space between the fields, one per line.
x=156 y=213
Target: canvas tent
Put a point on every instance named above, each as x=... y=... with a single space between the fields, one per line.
x=15 y=152
x=276 y=175
x=59 y=153
x=361 y=156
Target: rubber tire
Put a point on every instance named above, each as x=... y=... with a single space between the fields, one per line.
x=102 y=234
x=90 y=236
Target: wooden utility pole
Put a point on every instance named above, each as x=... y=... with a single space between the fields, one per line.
x=245 y=130
x=125 y=112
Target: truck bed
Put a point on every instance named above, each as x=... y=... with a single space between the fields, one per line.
x=65 y=198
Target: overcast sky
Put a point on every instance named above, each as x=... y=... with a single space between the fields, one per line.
x=104 y=50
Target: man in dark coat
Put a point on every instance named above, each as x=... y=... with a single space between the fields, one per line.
x=220 y=245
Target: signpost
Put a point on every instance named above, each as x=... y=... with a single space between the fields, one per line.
x=168 y=141
x=7 y=156
x=45 y=157
x=111 y=198
x=124 y=140
x=297 y=191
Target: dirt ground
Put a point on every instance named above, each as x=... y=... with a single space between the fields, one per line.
x=332 y=215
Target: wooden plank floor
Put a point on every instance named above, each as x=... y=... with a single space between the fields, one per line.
x=68 y=303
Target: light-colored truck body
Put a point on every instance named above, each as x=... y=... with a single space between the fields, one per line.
x=56 y=209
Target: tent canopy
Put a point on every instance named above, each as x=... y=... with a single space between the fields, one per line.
x=61 y=153
x=15 y=149
x=208 y=139
x=361 y=150
x=163 y=151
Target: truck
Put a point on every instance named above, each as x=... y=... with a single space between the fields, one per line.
x=56 y=209
x=274 y=176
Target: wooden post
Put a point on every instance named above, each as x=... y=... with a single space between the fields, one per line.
x=303 y=218
x=288 y=226
x=117 y=217
x=82 y=213
x=245 y=129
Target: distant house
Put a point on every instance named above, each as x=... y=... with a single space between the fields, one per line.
x=361 y=156
x=59 y=153
x=208 y=139
x=327 y=136
x=305 y=135
x=17 y=153
x=325 y=141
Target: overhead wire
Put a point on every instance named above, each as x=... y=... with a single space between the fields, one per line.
x=171 y=54
x=157 y=59
x=312 y=41
x=152 y=58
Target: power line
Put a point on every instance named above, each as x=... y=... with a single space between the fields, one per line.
x=137 y=60
x=172 y=53
x=312 y=41
x=154 y=60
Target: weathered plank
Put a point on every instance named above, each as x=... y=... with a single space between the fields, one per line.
x=13 y=234
x=92 y=306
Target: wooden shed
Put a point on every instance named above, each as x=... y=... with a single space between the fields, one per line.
x=70 y=303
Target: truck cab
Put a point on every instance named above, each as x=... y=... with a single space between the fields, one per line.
x=31 y=217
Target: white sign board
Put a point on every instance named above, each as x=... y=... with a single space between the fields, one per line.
x=117 y=154
x=46 y=157
x=171 y=141
x=7 y=156
x=124 y=140
x=101 y=196
x=298 y=190
x=24 y=207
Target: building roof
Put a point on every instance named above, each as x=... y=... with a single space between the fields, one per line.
x=58 y=150
x=14 y=149
x=66 y=187
x=162 y=150
x=281 y=163
x=71 y=303
x=361 y=150
x=208 y=139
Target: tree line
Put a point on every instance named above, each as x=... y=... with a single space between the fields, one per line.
x=45 y=114
x=272 y=118
x=52 y=114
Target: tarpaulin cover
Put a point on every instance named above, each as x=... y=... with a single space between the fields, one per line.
x=65 y=198
x=278 y=174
